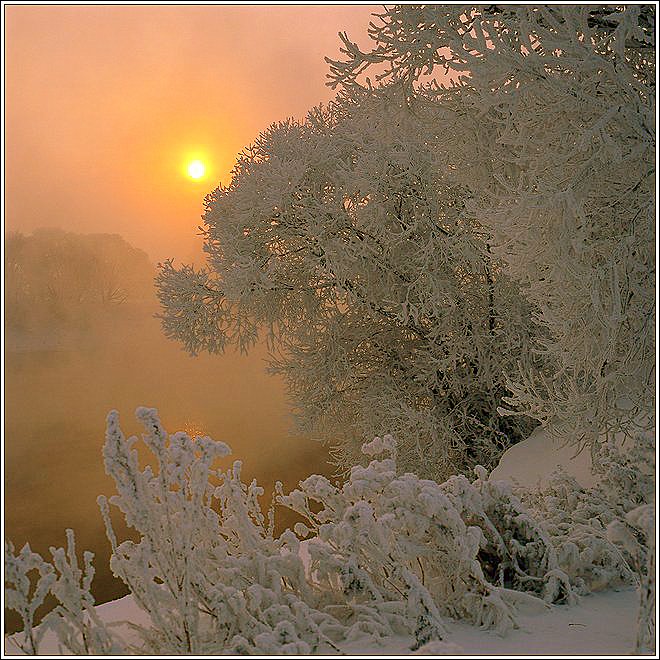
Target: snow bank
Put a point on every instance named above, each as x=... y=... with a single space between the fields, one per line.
x=531 y=462
x=601 y=624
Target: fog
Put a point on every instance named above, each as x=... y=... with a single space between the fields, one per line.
x=105 y=104
x=104 y=107
x=73 y=354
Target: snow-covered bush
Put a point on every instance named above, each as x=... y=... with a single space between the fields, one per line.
x=642 y=520
x=516 y=551
x=29 y=579
x=628 y=479
x=207 y=568
x=604 y=536
x=576 y=520
x=467 y=550
x=584 y=523
x=389 y=554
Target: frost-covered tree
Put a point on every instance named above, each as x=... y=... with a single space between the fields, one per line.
x=345 y=239
x=549 y=115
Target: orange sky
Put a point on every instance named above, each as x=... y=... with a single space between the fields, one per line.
x=106 y=104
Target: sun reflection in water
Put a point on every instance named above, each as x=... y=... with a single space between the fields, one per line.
x=194 y=429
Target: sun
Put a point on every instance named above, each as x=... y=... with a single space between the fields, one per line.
x=196 y=169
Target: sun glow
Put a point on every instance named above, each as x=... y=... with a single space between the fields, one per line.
x=196 y=169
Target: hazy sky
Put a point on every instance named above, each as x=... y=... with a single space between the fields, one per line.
x=106 y=105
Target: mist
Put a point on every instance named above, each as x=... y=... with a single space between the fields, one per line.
x=105 y=103
x=82 y=339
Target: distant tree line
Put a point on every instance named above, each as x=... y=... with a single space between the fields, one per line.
x=54 y=276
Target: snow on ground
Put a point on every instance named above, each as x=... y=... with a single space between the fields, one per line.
x=600 y=624
x=531 y=462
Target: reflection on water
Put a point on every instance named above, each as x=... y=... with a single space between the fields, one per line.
x=57 y=395
x=193 y=429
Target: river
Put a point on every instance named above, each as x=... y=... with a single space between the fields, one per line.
x=59 y=387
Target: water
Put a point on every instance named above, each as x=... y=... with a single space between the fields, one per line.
x=59 y=387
